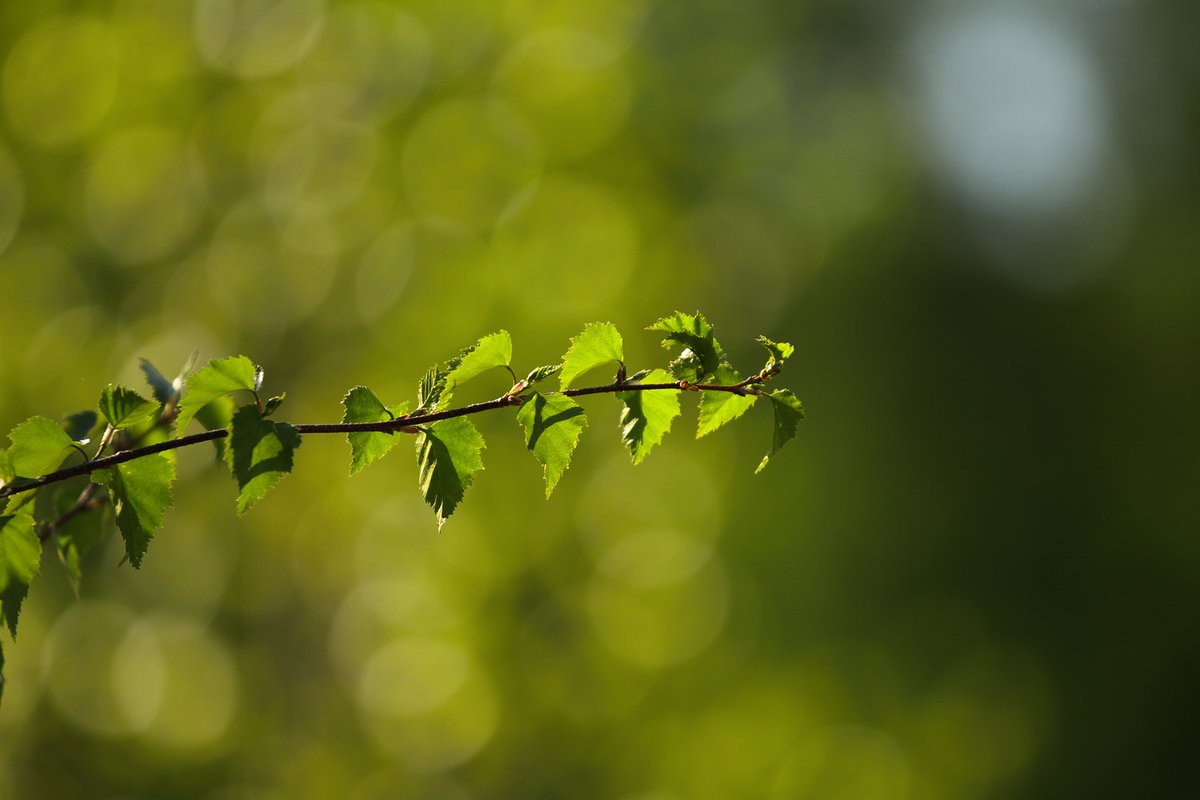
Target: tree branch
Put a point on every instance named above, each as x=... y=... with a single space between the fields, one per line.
x=405 y=424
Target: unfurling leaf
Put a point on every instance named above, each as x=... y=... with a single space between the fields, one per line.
x=788 y=413
x=647 y=415
x=718 y=408
x=216 y=379
x=158 y=383
x=20 y=560
x=125 y=408
x=260 y=453
x=539 y=374
x=363 y=406
x=552 y=426
x=599 y=344
x=493 y=350
x=140 y=492
x=39 y=446
x=448 y=456
x=779 y=352
x=429 y=391
x=701 y=355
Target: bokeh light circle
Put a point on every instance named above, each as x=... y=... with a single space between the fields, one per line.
x=60 y=79
x=256 y=38
x=12 y=197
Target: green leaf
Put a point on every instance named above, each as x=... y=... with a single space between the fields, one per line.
x=125 y=408
x=780 y=352
x=79 y=425
x=260 y=453
x=20 y=561
x=539 y=374
x=448 y=456
x=493 y=350
x=552 y=426
x=788 y=413
x=363 y=406
x=429 y=391
x=39 y=446
x=719 y=408
x=79 y=538
x=647 y=415
x=701 y=355
x=217 y=379
x=140 y=491
x=162 y=388
x=272 y=405
x=7 y=472
x=217 y=414
x=599 y=344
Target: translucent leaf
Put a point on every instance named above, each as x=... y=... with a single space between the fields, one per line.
x=647 y=415
x=217 y=414
x=125 y=408
x=599 y=344
x=79 y=425
x=272 y=405
x=140 y=491
x=493 y=350
x=449 y=453
x=363 y=406
x=20 y=560
x=719 y=408
x=429 y=391
x=39 y=446
x=788 y=413
x=158 y=383
x=216 y=379
x=701 y=355
x=780 y=352
x=539 y=374
x=552 y=426
x=260 y=453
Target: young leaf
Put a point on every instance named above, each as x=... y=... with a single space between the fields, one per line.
x=701 y=355
x=79 y=425
x=779 y=352
x=647 y=416
x=217 y=379
x=448 y=456
x=788 y=413
x=599 y=344
x=20 y=560
x=363 y=406
x=539 y=374
x=125 y=408
x=140 y=492
x=552 y=426
x=260 y=453
x=429 y=391
x=39 y=445
x=493 y=350
x=718 y=408
x=158 y=383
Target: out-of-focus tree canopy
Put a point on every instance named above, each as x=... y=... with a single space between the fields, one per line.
x=974 y=573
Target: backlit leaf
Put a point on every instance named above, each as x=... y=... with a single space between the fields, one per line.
x=39 y=446
x=701 y=354
x=260 y=453
x=779 y=352
x=552 y=426
x=493 y=350
x=363 y=406
x=718 y=408
x=449 y=453
x=788 y=413
x=140 y=492
x=647 y=415
x=599 y=344
x=216 y=379
x=20 y=560
x=125 y=408
x=158 y=383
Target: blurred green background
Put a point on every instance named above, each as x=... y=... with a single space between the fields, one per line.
x=975 y=574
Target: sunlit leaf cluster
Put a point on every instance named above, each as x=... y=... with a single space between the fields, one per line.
x=119 y=457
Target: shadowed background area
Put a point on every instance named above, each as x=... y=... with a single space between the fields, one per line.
x=975 y=573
